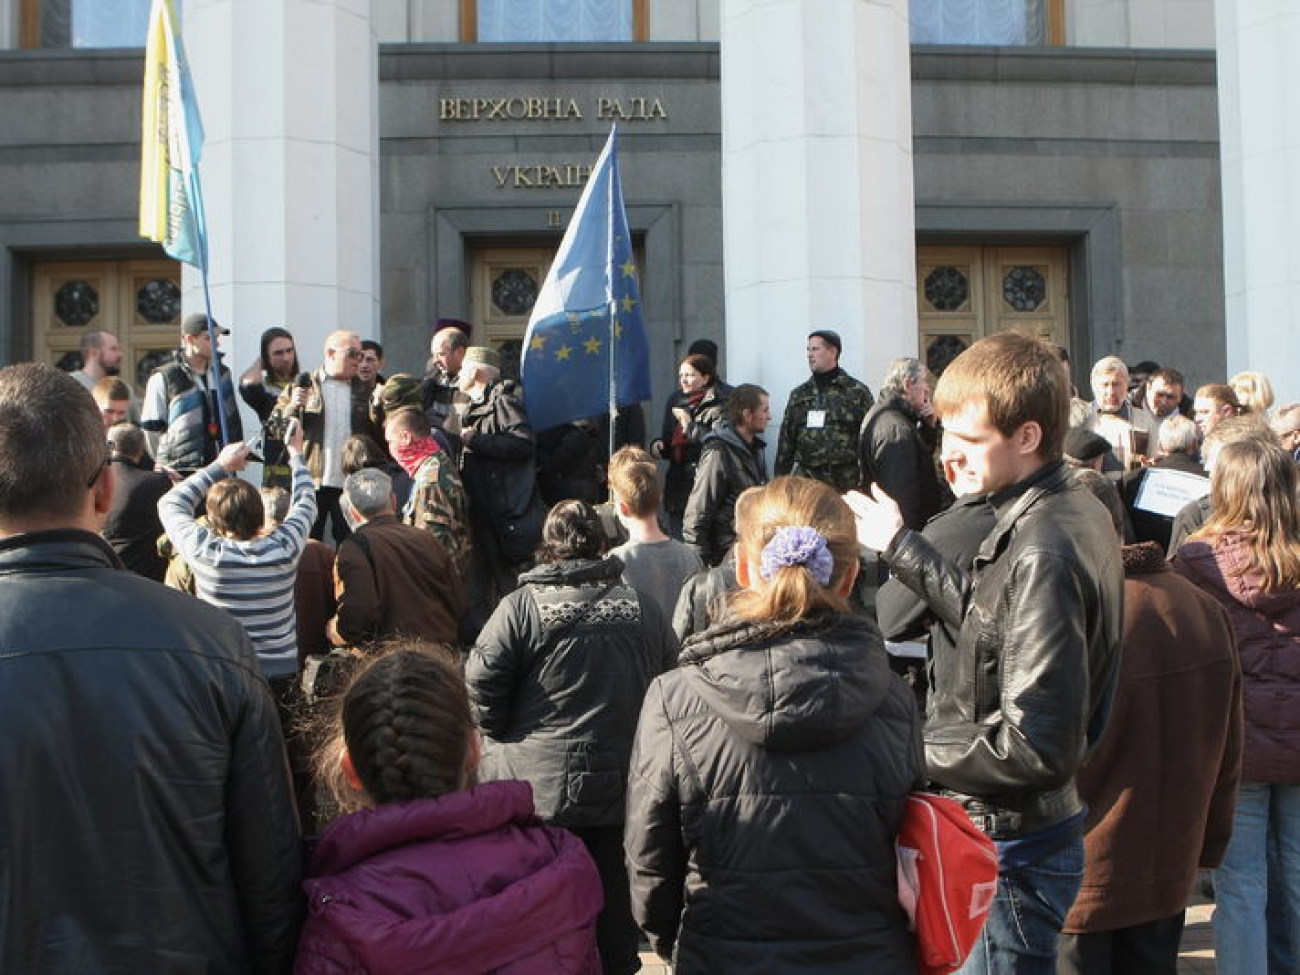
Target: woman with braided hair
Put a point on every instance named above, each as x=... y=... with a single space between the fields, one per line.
x=771 y=768
x=430 y=872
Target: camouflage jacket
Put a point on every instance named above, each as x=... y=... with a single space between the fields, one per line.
x=438 y=504
x=824 y=447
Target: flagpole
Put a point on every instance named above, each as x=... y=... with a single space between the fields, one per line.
x=215 y=364
x=615 y=191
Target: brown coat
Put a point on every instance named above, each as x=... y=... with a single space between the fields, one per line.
x=313 y=598
x=407 y=587
x=1161 y=783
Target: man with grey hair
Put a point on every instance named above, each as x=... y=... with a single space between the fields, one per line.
x=1129 y=429
x=391 y=579
x=897 y=441
x=147 y=821
x=1175 y=473
x=1286 y=424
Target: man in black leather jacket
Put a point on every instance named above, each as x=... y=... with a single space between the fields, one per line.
x=1026 y=692
x=146 y=819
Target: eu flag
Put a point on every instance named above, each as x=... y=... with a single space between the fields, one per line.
x=586 y=342
x=171 y=205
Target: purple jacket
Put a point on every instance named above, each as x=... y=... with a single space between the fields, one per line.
x=465 y=883
x=1267 y=627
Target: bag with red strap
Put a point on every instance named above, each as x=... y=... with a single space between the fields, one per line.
x=947 y=879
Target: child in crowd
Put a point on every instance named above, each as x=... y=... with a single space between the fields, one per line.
x=432 y=873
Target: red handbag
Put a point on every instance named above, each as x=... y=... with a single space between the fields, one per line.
x=947 y=879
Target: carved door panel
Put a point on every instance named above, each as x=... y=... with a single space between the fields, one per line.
x=966 y=292
x=138 y=301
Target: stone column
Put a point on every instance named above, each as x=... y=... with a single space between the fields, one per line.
x=1258 y=106
x=289 y=97
x=818 y=216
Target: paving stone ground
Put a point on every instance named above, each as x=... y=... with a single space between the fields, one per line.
x=1196 y=957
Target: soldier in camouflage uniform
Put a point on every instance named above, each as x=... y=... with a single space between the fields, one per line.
x=819 y=434
x=437 y=502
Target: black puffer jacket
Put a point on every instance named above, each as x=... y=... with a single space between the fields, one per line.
x=557 y=677
x=728 y=465
x=146 y=823
x=1026 y=692
x=766 y=789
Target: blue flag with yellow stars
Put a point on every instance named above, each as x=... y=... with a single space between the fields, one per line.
x=586 y=328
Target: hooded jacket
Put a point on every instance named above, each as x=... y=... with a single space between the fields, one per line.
x=728 y=465
x=556 y=678
x=767 y=786
x=1267 y=626
x=468 y=882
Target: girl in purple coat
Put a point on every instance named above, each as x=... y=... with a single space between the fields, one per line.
x=432 y=873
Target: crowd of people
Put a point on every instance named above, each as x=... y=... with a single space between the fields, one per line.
x=439 y=692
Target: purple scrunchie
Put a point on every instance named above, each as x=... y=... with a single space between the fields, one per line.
x=797 y=545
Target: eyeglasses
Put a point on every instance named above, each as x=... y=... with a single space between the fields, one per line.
x=108 y=461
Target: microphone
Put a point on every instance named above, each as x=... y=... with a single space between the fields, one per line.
x=302 y=382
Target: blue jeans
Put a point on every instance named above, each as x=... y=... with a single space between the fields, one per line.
x=1028 y=911
x=1265 y=813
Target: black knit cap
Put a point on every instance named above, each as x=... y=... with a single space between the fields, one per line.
x=829 y=337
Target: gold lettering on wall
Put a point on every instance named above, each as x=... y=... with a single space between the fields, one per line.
x=535 y=108
x=630 y=109
x=507 y=109
x=541 y=176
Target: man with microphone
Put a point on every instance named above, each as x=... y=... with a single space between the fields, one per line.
x=332 y=404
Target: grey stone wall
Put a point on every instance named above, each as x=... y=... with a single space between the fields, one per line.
x=1111 y=153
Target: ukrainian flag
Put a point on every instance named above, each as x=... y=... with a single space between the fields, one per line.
x=171 y=204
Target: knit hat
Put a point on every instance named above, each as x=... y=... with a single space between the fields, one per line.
x=1083 y=445
x=829 y=337
x=400 y=390
x=485 y=354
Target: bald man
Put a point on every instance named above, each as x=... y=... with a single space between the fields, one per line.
x=332 y=408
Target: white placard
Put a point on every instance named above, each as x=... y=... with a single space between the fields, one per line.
x=1166 y=492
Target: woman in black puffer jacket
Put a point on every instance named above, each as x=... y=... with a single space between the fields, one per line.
x=770 y=769
x=556 y=679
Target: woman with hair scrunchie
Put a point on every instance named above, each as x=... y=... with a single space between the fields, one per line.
x=771 y=768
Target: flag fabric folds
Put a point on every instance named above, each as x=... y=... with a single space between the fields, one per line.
x=586 y=330
x=171 y=205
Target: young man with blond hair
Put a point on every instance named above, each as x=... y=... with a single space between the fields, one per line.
x=1026 y=691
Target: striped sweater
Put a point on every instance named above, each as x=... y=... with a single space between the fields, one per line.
x=252 y=580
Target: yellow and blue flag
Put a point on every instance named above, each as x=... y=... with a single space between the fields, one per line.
x=586 y=348
x=171 y=204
